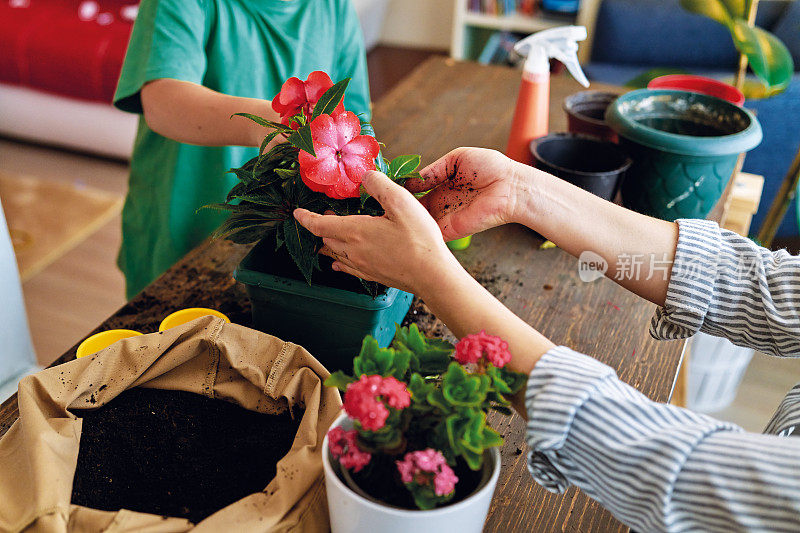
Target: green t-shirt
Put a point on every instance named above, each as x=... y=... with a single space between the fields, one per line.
x=237 y=47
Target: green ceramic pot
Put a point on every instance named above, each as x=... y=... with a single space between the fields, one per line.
x=684 y=147
x=329 y=322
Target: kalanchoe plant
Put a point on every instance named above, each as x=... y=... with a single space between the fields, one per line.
x=423 y=403
x=318 y=165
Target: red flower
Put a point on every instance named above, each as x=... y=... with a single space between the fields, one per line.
x=471 y=348
x=363 y=400
x=342 y=156
x=298 y=96
x=343 y=447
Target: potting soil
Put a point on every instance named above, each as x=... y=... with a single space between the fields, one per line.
x=176 y=453
x=381 y=480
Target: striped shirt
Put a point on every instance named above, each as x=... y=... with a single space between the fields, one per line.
x=658 y=467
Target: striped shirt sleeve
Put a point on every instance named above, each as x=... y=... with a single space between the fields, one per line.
x=725 y=285
x=656 y=467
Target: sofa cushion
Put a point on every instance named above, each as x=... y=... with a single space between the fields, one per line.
x=788 y=30
x=662 y=33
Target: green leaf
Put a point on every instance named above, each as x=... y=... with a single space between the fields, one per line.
x=302 y=246
x=263 y=122
x=419 y=388
x=469 y=436
x=384 y=362
x=244 y=230
x=287 y=174
x=411 y=175
x=505 y=381
x=380 y=164
x=461 y=389
x=268 y=139
x=425 y=496
x=403 y=164
x=367 y=129
x=389 y=437
x=330 y=99
x=428 y=356
x=768 y=57
x=251 y=234
x=301 y=139
x=340 y=380
x=723 y=11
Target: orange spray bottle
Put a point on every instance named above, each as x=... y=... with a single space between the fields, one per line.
x=531 y=115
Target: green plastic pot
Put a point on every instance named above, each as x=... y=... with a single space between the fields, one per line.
x=684 y=147
x=329 y=322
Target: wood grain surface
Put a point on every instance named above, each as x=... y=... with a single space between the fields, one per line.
x=442 y=105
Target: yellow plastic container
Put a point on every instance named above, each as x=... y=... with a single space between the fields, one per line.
x=460 y=244
x=187 y=315
x=104 y=339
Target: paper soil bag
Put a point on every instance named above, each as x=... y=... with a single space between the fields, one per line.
x=228 y=362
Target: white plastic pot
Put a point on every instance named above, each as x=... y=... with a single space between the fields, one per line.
x=350 y=512
x=716 y=368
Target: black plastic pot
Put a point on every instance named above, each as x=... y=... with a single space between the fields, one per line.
x=592 y=164
x=586 y=111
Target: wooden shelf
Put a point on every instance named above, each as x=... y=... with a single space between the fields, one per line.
x=519 y=23
x=465 y=22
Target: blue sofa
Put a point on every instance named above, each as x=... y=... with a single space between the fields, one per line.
x=635 y=36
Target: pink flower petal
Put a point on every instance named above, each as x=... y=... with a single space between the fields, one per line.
x=316 y=84
x=348 y=127
x=322 y=170
x=324 y=131
x=346 y=189
x=293 y=93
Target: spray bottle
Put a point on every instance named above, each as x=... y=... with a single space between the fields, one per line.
x=533 y=102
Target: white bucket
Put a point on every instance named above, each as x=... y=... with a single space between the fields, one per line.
x=350 y=512
x=716 y=368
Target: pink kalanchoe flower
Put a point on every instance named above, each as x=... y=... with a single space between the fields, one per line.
x=343 y=155
x=343 y=447
x=395 y=393
x=363 y=400
x=471 y=348
x=425 y=466
x=297 y=96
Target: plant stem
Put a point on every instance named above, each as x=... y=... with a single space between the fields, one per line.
x=751 y=21
x=780 y=204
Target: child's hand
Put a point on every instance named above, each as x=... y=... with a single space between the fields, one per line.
x=403 y=249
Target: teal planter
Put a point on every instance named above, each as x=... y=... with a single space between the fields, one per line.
x=330 y=323
x=684 y=148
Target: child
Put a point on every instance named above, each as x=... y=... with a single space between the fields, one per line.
x=190 y=65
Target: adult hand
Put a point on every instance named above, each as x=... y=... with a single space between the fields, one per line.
x=473 y=189
x=403 y=248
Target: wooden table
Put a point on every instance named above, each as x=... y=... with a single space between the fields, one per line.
x=442 y=105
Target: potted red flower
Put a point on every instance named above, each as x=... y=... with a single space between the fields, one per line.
x=318 y=165
x=413 y=451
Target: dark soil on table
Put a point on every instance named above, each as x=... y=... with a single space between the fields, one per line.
x=280 y=263
x=375 y=479
x=176 y=453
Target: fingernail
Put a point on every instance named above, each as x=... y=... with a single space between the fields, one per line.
x=335 y=266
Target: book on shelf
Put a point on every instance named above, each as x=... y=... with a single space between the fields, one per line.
x=499 y=49
x=504 y=7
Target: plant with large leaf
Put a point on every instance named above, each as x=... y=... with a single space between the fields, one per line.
x=767 y=56
x=318 y=164
x=420 y=407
